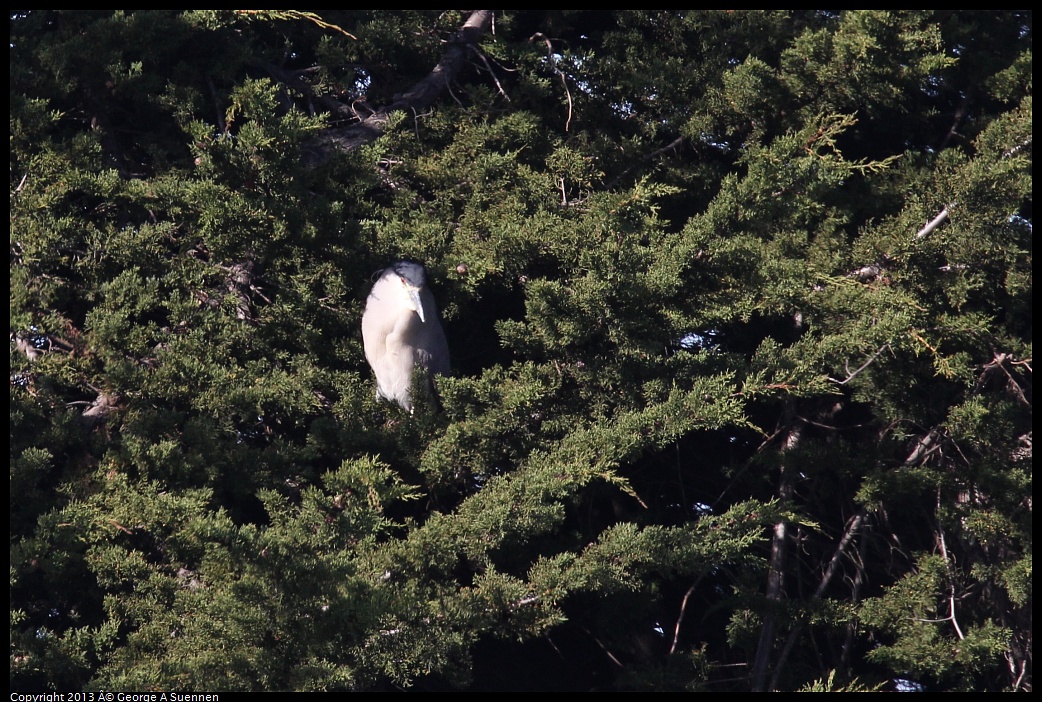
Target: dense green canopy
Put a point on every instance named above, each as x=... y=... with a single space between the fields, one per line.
x=739 y=306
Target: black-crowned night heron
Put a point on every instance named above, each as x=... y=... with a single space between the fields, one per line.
x=400 y=330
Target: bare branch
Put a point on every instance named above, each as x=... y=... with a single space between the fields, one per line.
x=932 y=224
x=923 y=448
x=680 y=617
x=25 y=346
x=488 y=67
x=866 y=272
x=21 y=183
x=998 y=362
x=777 y=561
x=853 y=527
x=850 y=376
x=558 y=71
x=951 y=579
x=604 y=648
x=100 y=408
x=675 y=144
x=872 y=270
x=35 y=345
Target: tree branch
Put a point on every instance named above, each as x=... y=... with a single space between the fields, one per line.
x=777 y=563
x=850 y=374
x=416 y=98
x=553 y=64
x=680 y=617
x=933 y=224
x=671 y=146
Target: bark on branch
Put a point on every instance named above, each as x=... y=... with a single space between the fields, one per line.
x=777 y=563
x=416 y=98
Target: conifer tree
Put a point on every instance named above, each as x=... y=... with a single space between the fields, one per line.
x=739 y=305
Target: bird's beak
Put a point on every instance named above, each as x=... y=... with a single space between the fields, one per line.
x=414 y=297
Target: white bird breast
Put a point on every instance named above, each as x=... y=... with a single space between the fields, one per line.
x=400 y=330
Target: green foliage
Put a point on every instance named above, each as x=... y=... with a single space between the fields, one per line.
x=830 y=685
x=923 y=623
x=739 y=305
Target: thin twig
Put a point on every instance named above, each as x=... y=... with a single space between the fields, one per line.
x=1014 y=387
x=680 y=617
x=863 y=366
x=853 y=527
x=604 y=648
x=676 y=143
x=960 y=113
x=951 y=584
x=488 y=66
x=558 y=71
